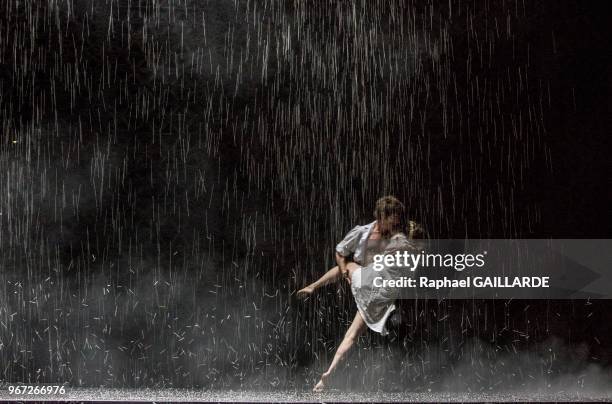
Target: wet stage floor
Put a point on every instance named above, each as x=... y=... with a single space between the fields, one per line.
x=339 y=396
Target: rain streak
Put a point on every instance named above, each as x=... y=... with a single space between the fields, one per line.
x=171 y=172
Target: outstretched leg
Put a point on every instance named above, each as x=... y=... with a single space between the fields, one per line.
x=357 y=328
x=333 y=275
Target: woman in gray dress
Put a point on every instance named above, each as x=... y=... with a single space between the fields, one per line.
x=354 y=256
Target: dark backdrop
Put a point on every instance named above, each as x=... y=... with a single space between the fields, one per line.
x=171 y=171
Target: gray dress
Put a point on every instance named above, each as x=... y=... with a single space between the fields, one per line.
x=375 y=304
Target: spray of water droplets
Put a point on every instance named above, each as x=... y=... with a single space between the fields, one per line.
x=171 y=171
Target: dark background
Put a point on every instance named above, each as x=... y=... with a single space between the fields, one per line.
x=172 y=171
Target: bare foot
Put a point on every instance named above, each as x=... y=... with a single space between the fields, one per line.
x=320 y=386
x=304 y=293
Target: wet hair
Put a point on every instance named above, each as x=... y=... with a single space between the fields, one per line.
x=415 y=231
x=389 y=206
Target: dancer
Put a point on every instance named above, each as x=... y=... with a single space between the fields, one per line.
x=354 y=256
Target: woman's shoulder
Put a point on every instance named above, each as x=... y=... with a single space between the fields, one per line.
x=399 y=237
x=400 y=241
x=397 y=240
